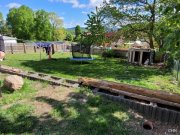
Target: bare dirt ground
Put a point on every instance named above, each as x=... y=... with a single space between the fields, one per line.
x=49 y=92
x=60 y=94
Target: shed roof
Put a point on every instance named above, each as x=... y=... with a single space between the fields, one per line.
x=7 y=38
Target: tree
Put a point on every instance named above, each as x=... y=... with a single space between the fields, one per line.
x=95 y=28
x=170 y=26
x=56 y=23
x=4 y=29
x=21 y=21
x=138 y=15
x=77 y=33
x=1 y=23
x=1 y=20
x=69 y=37
x=43 y=28
x=60 y=34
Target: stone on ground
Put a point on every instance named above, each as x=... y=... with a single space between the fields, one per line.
x=13 y=82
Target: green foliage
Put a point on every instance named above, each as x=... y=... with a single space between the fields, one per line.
x=86 y=40
x=4 y=30
x=69 y=37
x=108 y=54
x=78 y=30
x=21 y=21
x=112 y=54
x=112 y=70
x=138 y=16
x=30 y=25
x=77 y=33
x=43 y=28
x=96 y=31
x=170 y=9
x=59 y=34
x=159 y=56
x=1 y=20
x=17 y=119
x=57 y=31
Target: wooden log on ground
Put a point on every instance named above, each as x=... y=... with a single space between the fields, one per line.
x=107 y=85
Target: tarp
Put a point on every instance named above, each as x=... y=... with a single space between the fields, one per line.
x=43 y=44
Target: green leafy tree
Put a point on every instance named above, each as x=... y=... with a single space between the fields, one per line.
x=42 y=27
x=170 y=26
x=138 y=15
x=77 y=33
x=60 y=34
x=56 y=23
x=4 y=29
x=1 y=21
x=96 y=31
x=69 y=37
x=21 y=21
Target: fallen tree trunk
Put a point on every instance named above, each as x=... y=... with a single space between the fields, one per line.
x=107 y=85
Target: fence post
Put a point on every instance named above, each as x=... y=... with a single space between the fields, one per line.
x=56 y=48
x=34 y=49
x=12 y=49
x=24 y=47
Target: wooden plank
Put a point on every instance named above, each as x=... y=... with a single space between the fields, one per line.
x=133 y=95
x=154 y=94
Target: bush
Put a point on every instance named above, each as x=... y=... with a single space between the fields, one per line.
x=108 y=54
x=159 y=56
x=112 y=54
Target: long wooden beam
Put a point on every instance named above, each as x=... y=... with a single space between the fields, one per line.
x=107 y=85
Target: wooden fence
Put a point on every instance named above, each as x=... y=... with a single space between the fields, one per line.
x=30 y=48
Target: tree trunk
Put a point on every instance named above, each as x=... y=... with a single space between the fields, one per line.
x=151 y=42
x=152 y=23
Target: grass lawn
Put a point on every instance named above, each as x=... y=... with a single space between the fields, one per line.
x=39 y=108
x=44 y=109
x=110 y=69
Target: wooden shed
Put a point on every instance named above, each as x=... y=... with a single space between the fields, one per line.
x=140 y=54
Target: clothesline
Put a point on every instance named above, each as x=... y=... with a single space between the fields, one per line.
x=43 y=44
